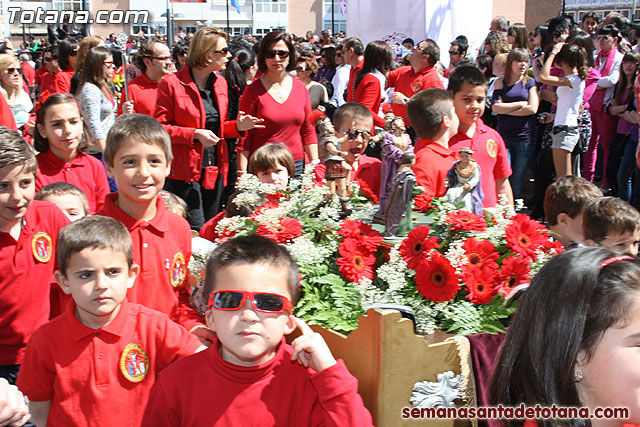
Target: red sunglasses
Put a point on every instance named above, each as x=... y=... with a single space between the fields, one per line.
x=262 y=301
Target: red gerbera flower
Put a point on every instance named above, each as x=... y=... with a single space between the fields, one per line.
x=552 y=245
x=524 y=236
x=363 y=233
x=287 y=230
x=480 y=252
x=479 y=281
x=416 y=245
x=436 y=278
x=356 y=261
x=422 y=203
x=514 y=272
x=463 y=220
x=367 y=192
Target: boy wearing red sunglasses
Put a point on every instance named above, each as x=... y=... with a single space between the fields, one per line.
x=250 y=375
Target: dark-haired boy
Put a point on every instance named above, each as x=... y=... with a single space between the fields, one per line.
x=250 y=376
x=467 y=84
x=564 y=205
x=435 y=122
x=28 y=236
x=95 y=364
x=138 y=155
x=612 y=223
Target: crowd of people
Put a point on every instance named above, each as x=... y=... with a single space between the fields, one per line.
x=140 y=143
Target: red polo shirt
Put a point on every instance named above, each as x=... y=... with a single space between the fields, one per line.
x=84 y=171
x=162 y=249
x=367 y=169
x=433 y=161
x=408 y=83
x=27 y=267
x=86 y=373
x=144 y=92
x=490 y=153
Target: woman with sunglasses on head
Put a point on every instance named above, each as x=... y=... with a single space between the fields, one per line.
x=13 y=90
x=282 y=101
x=608 y=64
x=306 y=69
x=192 y=106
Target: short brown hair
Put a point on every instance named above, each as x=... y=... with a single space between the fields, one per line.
x=252 y=249
x=174 y=203
x=311 y=64
x=146 y=51
x=15 y=150
x=41 y=143
x=349 y=112
x=140 y=126
x=93 y=232
x=570 y=195
x=62 y=189
x=426 y=110
x=204 y=42
x=268 y=41
x=607 y=216
x=269 y=156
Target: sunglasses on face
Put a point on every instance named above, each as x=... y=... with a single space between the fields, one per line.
x=223 y=51
x=73 y=53
x=109 y=63
x=338 y=54
x=453 y=52
x=272 y=54
x=354 y=133
x=49 y=59
x=302 y=69
x=262 y=301
x=12 y=70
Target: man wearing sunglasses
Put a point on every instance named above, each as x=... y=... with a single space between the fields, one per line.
x=154 y=60
x=250 y=375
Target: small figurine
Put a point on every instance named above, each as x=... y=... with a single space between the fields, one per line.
x=463 y=181
x=399 y=207
x=338 y=172
x=395 y=142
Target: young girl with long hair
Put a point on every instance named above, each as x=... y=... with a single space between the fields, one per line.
x=572 y=60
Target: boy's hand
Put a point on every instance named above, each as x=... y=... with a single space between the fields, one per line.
x=204 y=334
x=310 y=349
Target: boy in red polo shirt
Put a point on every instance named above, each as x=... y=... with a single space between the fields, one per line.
x=250 y=376
x=434 y=120
x=468 y=87
x=28 y=235
x=96 y=363
x=138 y=155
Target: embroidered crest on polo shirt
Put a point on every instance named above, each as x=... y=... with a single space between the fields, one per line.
x=134 y=363
x=42 y=246
x=492 y=148
x=417 y=86
x=178 y=270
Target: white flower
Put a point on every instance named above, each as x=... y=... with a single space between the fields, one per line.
x=305 y=252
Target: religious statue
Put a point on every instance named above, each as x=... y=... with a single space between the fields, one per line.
x=463 y=181
x=399 y=207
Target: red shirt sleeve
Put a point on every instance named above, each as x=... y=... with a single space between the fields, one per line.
x=368 y=93
x=307 y=131
x=502 y=168
x=174 y=342
x=167 y=110
x=208 y=230
x=426 y=179
x=37 y=373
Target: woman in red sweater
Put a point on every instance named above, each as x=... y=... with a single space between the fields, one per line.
x=370 y=81
x=192 y=107
x=283 y=103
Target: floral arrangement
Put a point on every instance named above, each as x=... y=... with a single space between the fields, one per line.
x=455 y=274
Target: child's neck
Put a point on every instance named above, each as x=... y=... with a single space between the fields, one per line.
x=144 y=211
x=96 y=322
x=12 y=227
x=569 y=70
x=468 y=128
x=65 y=156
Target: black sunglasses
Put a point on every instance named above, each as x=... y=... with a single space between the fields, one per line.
x=49 y=59
x=73 y=53
x=301 y=69
x=224 y=50
x=272 y=54
x=12 y=70
x=354 y=133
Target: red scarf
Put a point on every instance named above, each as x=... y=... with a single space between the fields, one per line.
x=597 y=100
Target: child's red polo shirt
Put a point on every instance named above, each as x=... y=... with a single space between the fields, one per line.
x=433 y=161
x=405 y=81
x=84 y=171
x=101 y=377
x=162 y=249
x=27 y=268
x=490 y=153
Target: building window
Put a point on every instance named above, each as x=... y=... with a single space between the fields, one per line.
x=67 y=4
x=339 y=20
x=270 y=6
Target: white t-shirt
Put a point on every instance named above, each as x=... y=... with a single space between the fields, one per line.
x=569 y=100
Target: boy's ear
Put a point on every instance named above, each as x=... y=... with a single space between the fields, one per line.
x=591 y=242
x=134 y=270
x=563 y=218
x=110 y=171
x=208 y=317
x=290 y=326
x=61 y=279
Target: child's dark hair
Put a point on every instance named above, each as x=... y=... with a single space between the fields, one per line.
x=269 y=156
x=349 y=112
x=570 y=195
x=485 y=61
x=15 y=150
x=40 y=143
x=465 y=74
x=575 y=57
x=139 y=126
x=238 y=65
x=570 y=304
x=252 y=249
x=63 y=189
x=426 y=110
x=607 y=216
x=584 y=40
x=93 y=232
